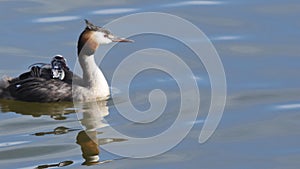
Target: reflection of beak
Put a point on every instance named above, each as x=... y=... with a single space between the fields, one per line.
x=116 y=39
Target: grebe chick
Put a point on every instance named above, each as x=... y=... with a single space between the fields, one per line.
x=60 y=84
x=57 y=69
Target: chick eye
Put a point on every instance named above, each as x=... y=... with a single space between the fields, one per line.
x=105 y=35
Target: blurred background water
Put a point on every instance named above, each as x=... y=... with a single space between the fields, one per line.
x=257 y=41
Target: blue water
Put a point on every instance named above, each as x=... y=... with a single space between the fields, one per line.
x=258 y=44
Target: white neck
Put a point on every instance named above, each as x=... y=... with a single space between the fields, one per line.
x=93 y=76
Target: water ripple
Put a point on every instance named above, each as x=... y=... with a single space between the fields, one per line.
x=289 y=106
x=114 y=11
x=56 y=19
x=6 y=144
x=226 y=37
x=187 y=3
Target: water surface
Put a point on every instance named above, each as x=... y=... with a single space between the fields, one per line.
x=258 y=43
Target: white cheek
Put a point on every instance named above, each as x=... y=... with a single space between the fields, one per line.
x=101 y=39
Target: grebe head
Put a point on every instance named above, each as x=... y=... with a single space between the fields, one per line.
x=58 y=67
x=59 y=59
x=93 y=36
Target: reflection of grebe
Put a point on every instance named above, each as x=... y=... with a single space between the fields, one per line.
x=92 y=86
x=93 y=114
x=88 y=142
x=90 y=149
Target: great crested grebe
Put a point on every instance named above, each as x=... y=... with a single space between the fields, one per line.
x=55 y=82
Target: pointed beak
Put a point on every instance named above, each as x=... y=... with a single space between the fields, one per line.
x=117 y=39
